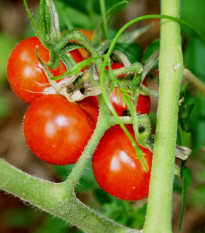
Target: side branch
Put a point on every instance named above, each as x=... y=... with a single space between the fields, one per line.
x=190 y=77
x=57 y=199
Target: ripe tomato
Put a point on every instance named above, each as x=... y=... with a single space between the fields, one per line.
x=90 y=106
x=56 y=130
x=25 y=73
x=117 y=168
x=143 y=104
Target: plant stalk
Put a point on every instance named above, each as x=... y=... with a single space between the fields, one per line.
x=56 y=199
x=158 y=217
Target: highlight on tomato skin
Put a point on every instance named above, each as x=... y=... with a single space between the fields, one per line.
x=117 y=168
x=25 y=74
x=56 y=130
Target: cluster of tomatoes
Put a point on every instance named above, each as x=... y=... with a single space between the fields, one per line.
x=57 y=130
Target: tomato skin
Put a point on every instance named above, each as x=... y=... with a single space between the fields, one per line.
x=25 y=73
x=90 y=106
x=56 y=130
x=143 y=103
x=117 y=168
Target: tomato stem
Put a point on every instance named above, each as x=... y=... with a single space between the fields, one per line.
x=81 y=39
x=190 y=77
x=57 y=199
x=104 y=20
x=158 y=217
x=103 y=124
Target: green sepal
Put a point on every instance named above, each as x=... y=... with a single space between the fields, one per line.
x=45 y=20
x=34 y=24
x=54 y=60
x=49 y=22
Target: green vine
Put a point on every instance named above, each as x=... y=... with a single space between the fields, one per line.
x=158 y=217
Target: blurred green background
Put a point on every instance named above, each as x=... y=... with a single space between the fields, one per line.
x=17 y=217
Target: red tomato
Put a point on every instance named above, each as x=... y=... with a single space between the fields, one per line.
x=143 y=104
x=117 y=168
x=56 y=130
x=25 y=73
x=90 y=106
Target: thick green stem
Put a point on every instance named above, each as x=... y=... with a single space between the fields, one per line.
x=59 y=199
x=158 y=218
x=102 y=125
x=56 y=199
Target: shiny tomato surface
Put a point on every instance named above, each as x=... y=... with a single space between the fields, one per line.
x=56 y=130
x=25 y=73
x=117 y=168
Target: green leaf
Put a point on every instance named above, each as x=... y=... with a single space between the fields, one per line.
x=186 y=182
x=177 y=185
x=124 y=213
x=129 y=37
x=80 y=5
x=49 y=22
x=131 y=50
x=184 y=137
x=115 y=8
x=89 y=7
x=34 y=23
x=45 y=19
x=72 y=18
x=151 y=48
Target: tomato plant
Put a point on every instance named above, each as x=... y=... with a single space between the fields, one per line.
x=89 y=34
x=117 y=168
x=143 y=103
x=90 y=106
x=56 y=130
x=60 y=129
x=25 y=73
x=115 y=66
